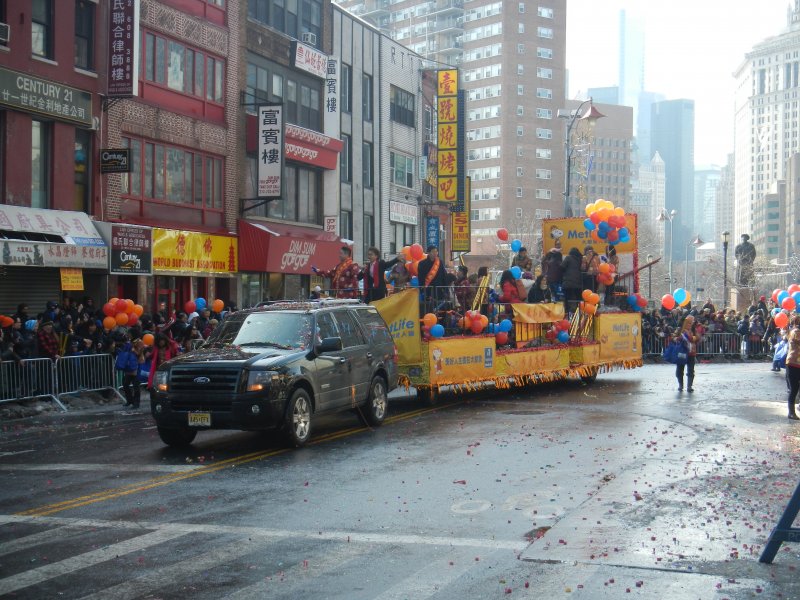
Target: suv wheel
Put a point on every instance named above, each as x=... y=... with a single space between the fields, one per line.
x=178 y=437
x=298 y=418
x=377 y=403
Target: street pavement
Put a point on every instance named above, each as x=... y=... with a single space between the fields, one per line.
x=625 y=488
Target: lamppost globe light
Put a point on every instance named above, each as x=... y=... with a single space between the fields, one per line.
x=590 y=117
x=665 y=216
x=725 y=235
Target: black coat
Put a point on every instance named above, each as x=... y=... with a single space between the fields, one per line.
x=439 y=281
x=376 y=290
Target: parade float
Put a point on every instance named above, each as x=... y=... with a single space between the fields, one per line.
x=513 y=345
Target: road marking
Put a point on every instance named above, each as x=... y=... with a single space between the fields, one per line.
x=87 y=559
x=99 y=437
x=148 y=428
x=163 y=480
x=314 y=566
x=34 y=539
x=163 y=576
x=332 y=535
x=431 y=579
x=102 y=467
x=17 y=452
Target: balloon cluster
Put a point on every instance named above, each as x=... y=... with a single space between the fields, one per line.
x=680 y=297
x=788 y=300
x=413 y=254
x=606 y=223
x=559 y=331
x=637 y=302
x=606 y=273
x=501 y=331
x=201 y=304
x=122 y=312
x=473 y=321
x=590 y=302
x=431 y=327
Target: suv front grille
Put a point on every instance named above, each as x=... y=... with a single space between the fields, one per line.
x=193 y=379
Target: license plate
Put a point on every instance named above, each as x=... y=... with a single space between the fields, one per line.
x=199 y=419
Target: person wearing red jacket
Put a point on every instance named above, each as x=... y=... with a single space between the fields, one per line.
x=344 y=278
x=163 y=350
x=511 y=290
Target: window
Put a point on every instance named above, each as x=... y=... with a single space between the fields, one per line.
x=402 y=169
x=520 y=90
x=258 y=10
x=3 y=19
x=520 y=151
x=41 y=154
x=292 y=17
x=544 y=93
x=42 y=28
x=519 y=195
x=545 y=32
x=520 y=110
x=346 y=160
x=83 y=153
x=520 y=172
x=544 y=72
x=84 y=34
x=256 y=88
x=401 y=106
x=520 y=48
x=368 y=232
x=346 y=98
x=543 y=194
x=402 y=235
x=521 y=28
x=522 y=7
x=520 y=69
x=366 y=97
x=520 y=131
x=544 y=134
x=366 y=165
x=544 y=113
x=544 y=174
x=544 y=52
x=518 y=211
x=346 y=224
x=545 y=13
x=544 y=153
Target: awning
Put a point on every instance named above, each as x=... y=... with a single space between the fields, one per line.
x=269 y=247
x=300 y=144
x=37 y=237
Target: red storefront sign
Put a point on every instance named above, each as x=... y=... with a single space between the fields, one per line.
x=268 y=247
x=300 y=144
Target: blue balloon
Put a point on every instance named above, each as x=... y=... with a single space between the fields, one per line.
x=505 y=325
x=602 y=233
x=679 y=295
x=30 y=324
x=415 y=281
x=603 y=226
x=782 y=296
x=516 y=245
x=776 y=310
x=200 y=304
x=796 y=298
x=563 y=337
x=623 y=232
x=589 y=224
x=516 y=272
x=632 y=300
x=437 y=330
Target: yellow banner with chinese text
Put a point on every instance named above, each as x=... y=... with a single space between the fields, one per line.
x=538 y=313
x=194 y=252
x=71 y=279
x=460 y=226
x=401 y=313
x=461 y=360
x=532 y=361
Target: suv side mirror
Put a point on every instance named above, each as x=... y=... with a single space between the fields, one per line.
x=331 y=344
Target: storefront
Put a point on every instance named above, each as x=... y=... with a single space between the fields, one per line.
x=130 y=260
x=277 y=259
x=45 y=254
x=189 y=265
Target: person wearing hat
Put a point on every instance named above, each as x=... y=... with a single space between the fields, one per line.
x=590 y=265
x=745 y=254
x=47 y=341
x=522 y=260
x=432 y=278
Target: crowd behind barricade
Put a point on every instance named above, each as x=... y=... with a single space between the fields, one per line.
x=77 y=328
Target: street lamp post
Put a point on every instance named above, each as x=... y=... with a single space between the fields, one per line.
x=649 y=276
x=695 y=242
x=725 y=235
x=668 y=216
x=590 y=116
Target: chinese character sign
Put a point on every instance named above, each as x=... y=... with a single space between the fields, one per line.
x=432 y=231
x=447 y=136
x=123 y=48
x=330 y=104
x=270 y=150
x=461 y=234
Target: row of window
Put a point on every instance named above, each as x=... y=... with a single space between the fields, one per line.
x=486 y=31
x=302 y=102
x=485 y=112
x=490 y=91
x=484 y=174
x=182 y=69
x=483 y=52
x=482 y=72
x=483 y=153
x=483 y=133
x=43 y=31
x=488 y=10
x=292 y=17
x=346 y=162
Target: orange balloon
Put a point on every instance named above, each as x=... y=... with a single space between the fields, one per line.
x=429 y=319
x=406 y=251
x=411 y=267
x=148 y=339
x=619 y=211
x=604 y=268
x=109 y=323
x=595 y=298
x=138 y=309
x=591 y=309
x=484 y=321
x=122 y=318
x=113 y=300
x=218 y=305
x=605 y=213
x=781 y=320
x=586 y=294
x=594 y=236
x=129 y=304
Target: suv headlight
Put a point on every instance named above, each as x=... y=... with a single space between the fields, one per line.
x=161 y=381
x=258 y=380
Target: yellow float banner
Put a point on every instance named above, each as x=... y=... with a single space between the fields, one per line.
x=401 y=313
x=538 y=313
x=620 y=335
x=587 y=354
x=194 y=252
x=71 y=279
x=571 y=233
x=532 y=361
x=461 y=360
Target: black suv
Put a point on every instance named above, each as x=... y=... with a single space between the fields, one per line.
x=278 y=366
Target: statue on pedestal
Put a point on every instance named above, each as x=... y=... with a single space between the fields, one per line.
x=745 y=255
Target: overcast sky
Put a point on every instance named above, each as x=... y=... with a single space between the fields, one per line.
x=692 y=49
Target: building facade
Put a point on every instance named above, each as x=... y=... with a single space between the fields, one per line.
x=706 y=183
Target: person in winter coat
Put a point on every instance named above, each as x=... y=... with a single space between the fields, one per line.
x=590 y=267
x=163 y=350
x=689 y=336
x=129 y=359
x=511 y=290
x=373 y=275
x=553 y=272
x=572 y=279
x=793 y=366
x=539 y=291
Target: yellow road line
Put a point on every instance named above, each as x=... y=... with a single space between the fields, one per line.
x=110 y=494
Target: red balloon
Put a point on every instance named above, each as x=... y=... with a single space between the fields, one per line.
x=562 y=325
x=190 y=307
x=133 y=318
x=121 y=306
x=667 y=301
x=788 y=303
x=775 y=293
x=595 y=217
x=502 y=234
x=416 y=251
x=612 y=235
x=792 y=289
x=781 y=319
x=109 y=309
x=476 y=326
x=642 y=302
x=501 y=337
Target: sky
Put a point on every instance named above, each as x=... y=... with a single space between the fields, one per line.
x=692 y=48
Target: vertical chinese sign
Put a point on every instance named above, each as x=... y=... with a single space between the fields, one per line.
x=460 y=232
x=123 y=48
x=447 y=132
x=270 y=150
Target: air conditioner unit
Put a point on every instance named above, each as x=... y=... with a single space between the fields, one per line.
x=309 y=38
x=5 y=33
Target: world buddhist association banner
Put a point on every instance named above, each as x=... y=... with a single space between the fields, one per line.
x=571 y=233
x=193 y=252
x=620 y=335
x=401 y=313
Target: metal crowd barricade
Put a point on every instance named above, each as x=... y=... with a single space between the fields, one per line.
x=712 y=344
x=85 y=373
x=28 y=379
